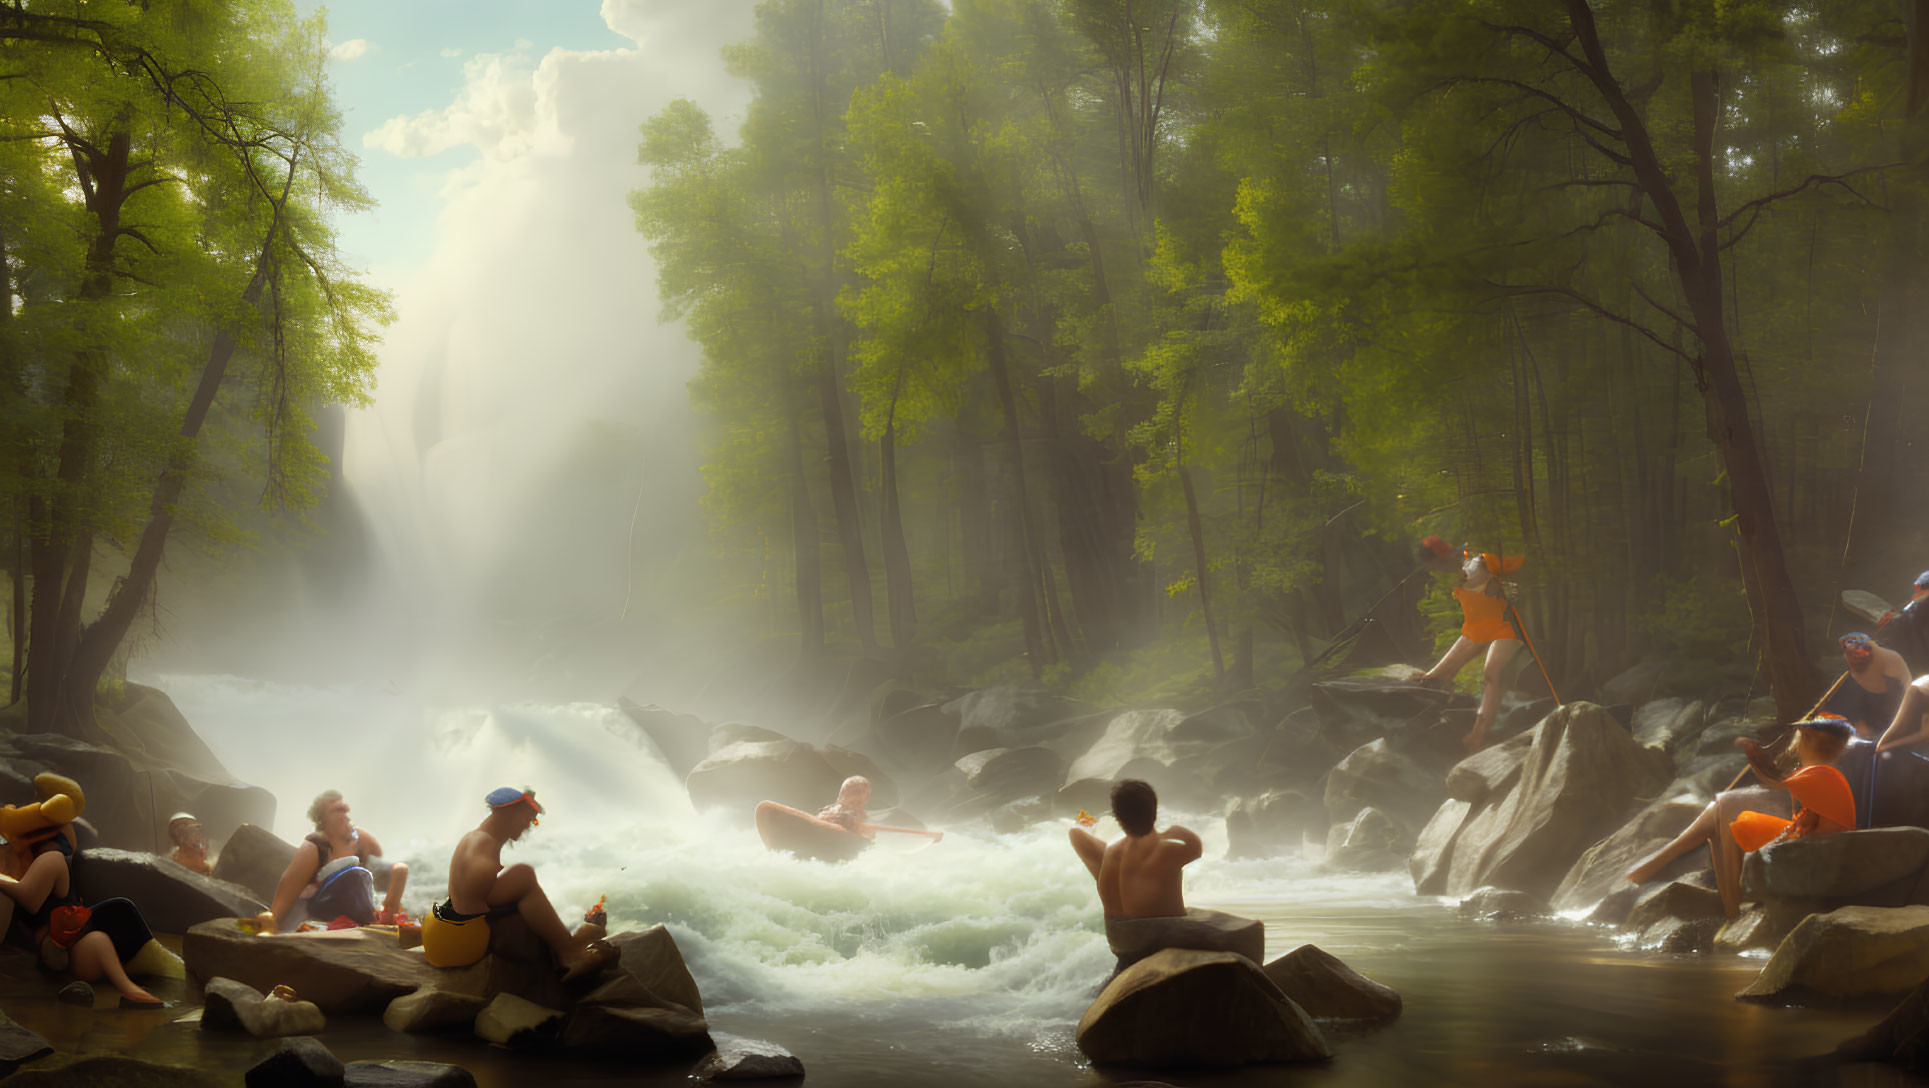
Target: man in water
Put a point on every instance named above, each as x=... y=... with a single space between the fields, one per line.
x=1907 y=631
x=849 y=810
x=1878 y=676
x=456 y=932
x=1141 y=884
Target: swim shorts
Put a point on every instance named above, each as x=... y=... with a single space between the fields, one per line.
x=453 y=939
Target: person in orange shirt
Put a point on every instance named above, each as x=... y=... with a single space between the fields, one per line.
x=1483 y=608
x=1825 y=803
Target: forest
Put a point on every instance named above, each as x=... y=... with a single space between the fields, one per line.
x=1129 y=345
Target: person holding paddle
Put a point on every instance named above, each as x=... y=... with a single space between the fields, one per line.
x=1826 y=805
x=1877 y=678
x=1907 y=631
x=846 y=820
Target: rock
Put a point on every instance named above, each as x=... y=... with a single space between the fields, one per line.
x=845 y=763
x=432 y=1009
x=516 y=1023
x=1637 y=685
x=1878 y=867
x=1368 y=843
x=1134 y=939
x=739 y=775
x=397 y=1073
x=1490 y=772
x=1374 y=775
x=737 y=1058
x=18 y=1046
x=1669 y=724
x=1015 y=816
x=1434 y=848
x=1902 y=1037
x=172 y=897
x=1191 y=1008
x=1848 y=952
x=1718 y=738
x=1501 y=905
x=1000 y=775
x=1756 y=927
x=1580 y=781
x=1353 y=712
x=921 y=739
x=634 y=1032
x=1325 y=988
x=76 y=993
x=1902 y=793
x=297 y=1063
x=1273 y=824
x=1614 y=908
x=1679 y=901
x=228 y=1005
x=1679 y=935
x=651 y=956
x=1603 y=868
x=347 y=970
x=1013 y=717
x=114 y=1071
x=1136 y=744
x=682 y=739
x=254 y=858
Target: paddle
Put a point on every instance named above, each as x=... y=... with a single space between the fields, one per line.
x=1826 y=696
x=934 y=836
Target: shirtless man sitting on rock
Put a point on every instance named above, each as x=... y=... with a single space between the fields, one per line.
x=456 y=932
x=1141 y=884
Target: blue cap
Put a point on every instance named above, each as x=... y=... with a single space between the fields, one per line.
x=505 y=796
x=1922 y=580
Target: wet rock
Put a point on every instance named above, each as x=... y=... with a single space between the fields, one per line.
x=1679 y=936
x=1274 y=824
x=115 y=1071
x=1434 y=848
x=1376 y=776
x=1134 y=939
x=432 y=1009
x=18 y=1046
x=738 y=775
x=1878 y=867
x=1368 y=843
x=228 y=1005
x=1191 y=1008
x=1902 y=1037
x=737 y=1058
x=1614 y=908
x=1602 y=869
x=1325 y=988
x=1502 y=905
x=644 y=1033
x=1580 y=781
x=682 y=739
x=651 y=957
x=1755 y=927
x=76 y=993
x=347 y=970
x=398 y=1073
x=1680 y=901
x=1848 y=952
x=517 y=1023
x=297 y=1063
x=1354 y=712
x=1669 y=724
x=172 y=897
x=254 y=858
x=1490 y=772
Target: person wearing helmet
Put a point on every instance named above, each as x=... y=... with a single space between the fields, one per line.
x=456 y=932
x=1870 y=696
x=190 y=843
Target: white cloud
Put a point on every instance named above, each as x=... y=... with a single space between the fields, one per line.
x=451 y=53
x=352 y=49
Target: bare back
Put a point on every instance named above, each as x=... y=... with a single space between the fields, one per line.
x=473 y=870
x=1141 y=875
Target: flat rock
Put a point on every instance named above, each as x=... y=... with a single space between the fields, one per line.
x=737 y=1058
x=254 y=859
x=345 y=970
x=432 y=1009
x=18 y=1046
x=1375 y=775
x=1325 y=988
x=1840 y=867
x=297 y=1063
x=172 y=897
x=1602 y=869
x=228 y=1005
x=397 y=1073
x=1848 y=952
x=1189 y=1008
x=1679 y=901
x=516 y=1023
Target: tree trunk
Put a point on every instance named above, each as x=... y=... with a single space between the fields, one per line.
x=804 y=533
x=1029 y=611
x=897 y=557
x=1198 y=531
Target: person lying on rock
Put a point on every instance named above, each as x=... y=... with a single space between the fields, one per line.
x=190 y=843
x=1141 y=882
x=1484 y=622
x=1826 y=805
x=1873 y=692
x=108 y=940
x=1911 y=724
x=456 y=932
x=332 y=874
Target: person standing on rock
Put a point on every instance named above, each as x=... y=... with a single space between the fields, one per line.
x=1872 y=694
x=1141 y=884
x=1826 y=806
x=332 y=873
x=1907 y=631
x=1484 y=622
x=456 y=932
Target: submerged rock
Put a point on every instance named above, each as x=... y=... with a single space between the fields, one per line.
x=172 y=897
x=1325 y=988
x=113 y=1071
x=634 y=1031
x=1848 y=952
x=1191 y=1008
x=1678 y=901
x=737 y=1058
x=1679 y=935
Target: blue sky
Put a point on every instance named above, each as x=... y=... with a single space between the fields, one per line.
x=413 y=61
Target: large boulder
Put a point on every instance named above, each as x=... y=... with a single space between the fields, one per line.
x=1848 y=952
x=920 y=739
x=1433 y=850
x=1273 y=824
x=1012 y=717
x=1603 y=868
x=1490 y=772
x=254 y=858
x=740 y=774
x=1880 y=868
x=1368 y=843
x=651 y=956
x=1901 y=791
x=172 y=897
x=1325 y=988
x=1582 y=778
x=682 y=739
x=1355 y=711
x=1376 y=776
x=1189 y=1008
x=341 y=971
x=1638 y=685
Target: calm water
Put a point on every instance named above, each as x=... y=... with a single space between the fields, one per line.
x=968 y=962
